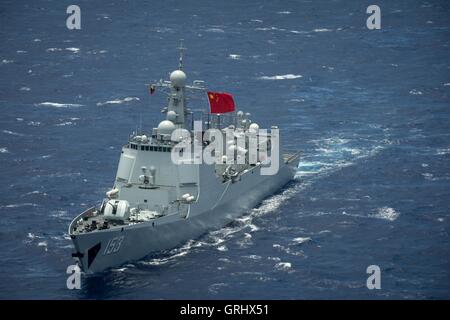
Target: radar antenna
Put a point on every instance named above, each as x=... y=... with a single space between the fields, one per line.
x=181 y=48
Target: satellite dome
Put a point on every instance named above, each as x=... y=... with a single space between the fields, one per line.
x=171 y=115
x=254 y=127
x=178 y=78
x=166 y=127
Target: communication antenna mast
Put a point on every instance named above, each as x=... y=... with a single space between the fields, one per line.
x=181 y=48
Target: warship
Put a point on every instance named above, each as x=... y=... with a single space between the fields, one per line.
x=163 y=195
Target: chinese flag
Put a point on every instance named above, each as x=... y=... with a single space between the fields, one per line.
x=221 y=102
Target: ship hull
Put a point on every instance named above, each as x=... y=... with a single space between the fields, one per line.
x=97 y=251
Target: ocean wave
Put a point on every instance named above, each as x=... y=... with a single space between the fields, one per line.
x=270 y=29
x=33 y=236
x=386 y=213
x=383 y=213
x=173 y=254
x=4 y=150
x=25 y=89
x=300 y=240
x=35 y=192
x=58 y=105
x=234 y=56
x=298 y=32
x=5 y=61
x=252 y=257
x=19 y=205
x=442 y=151
x=215 y=287
x=415 y=92
x=13 y=133
x=281 y=77
x=43 y=244
x=74 y=50
x=283 y=266
x=333 y=154
x=284 y=12
x=322 y=30
x=118 y=101
x=288 y=250
x=215 y=30
x=67 y=123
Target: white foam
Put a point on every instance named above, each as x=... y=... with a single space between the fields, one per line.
x=24 y=89
x=234 y=56
x=322 y=30
x=270 y=29
x=283 y=266
x=119 y=101
x=74 y=50
x=298 y=32
x=386 y=213
x=32 y=236
x=19 y=205
x=35 y=192
x=215 y=30
x=253 y=257
x=5 y=61
x=43 y=244
x=58 y=105
x=301 y=240
x=443 y=151
x=273 y=258
x=4 y=150
x=54 y=49
x=67 y=123
x=415 y=92
x=281 y=77
x=284 y=12
x=13 y=133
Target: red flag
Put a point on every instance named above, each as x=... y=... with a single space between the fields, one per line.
x=221 y=102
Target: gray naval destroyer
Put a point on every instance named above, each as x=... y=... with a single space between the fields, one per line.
x=157 y=204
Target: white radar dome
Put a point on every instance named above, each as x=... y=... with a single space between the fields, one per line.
x=178 y=78
x=166 y=127
x=171 y=115
x=253 y=127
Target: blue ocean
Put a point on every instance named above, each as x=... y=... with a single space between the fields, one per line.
x=368 y=109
